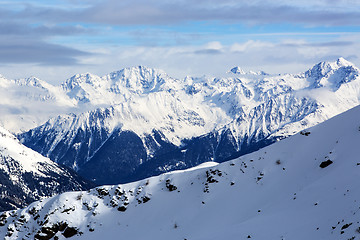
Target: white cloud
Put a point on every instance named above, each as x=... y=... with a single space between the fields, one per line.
x=214 y=45
x=250 y=45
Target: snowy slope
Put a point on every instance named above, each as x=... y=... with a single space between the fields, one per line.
x=27 y=176
x=303 y=187
x=175 y=124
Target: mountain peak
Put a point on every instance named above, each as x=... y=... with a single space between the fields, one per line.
x=332 y=74
x=138 y=79
x=323 y=68
x=78 y=79
x=238 y=70
x=343 y=62
x=30 y=81
x=139 y=71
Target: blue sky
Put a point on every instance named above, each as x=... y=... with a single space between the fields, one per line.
x=56 y=39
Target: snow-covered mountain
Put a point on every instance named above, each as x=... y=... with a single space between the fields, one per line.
x=26 y=176
x=156 y=123
x=303 y=187
x=118 y=86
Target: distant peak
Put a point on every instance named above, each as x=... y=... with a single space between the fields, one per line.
x=138 y=69
x=139 y=72
x=80 y=78
x=322 y=69
x=82 y=75
x=138 y=79
x=238 y=70
x=332 y=74
x=30 y=81
x=343 y=62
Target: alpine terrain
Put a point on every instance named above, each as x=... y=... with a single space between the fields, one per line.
x=139 y=122
x=303 y=187
x=26 y=176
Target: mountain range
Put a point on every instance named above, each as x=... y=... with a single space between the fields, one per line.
x=140 y=122
x=302 y=187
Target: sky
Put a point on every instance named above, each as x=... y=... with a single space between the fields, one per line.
x=54 y=40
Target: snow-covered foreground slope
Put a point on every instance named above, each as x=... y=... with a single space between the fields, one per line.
x=26 y=176
x=158 y=123
x=303 y=187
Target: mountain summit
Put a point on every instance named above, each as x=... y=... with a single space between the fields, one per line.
x=138 y=79
x=238 y=70
x=332 y=74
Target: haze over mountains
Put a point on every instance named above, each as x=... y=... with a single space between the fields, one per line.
x=140 y=122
